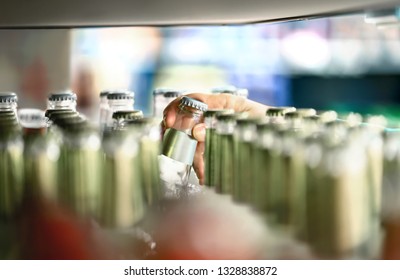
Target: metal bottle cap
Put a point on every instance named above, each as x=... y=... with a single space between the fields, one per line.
x=215 y=112
x=128 y=115
x=62 y=96
x=224 y=89
x=115 y=95
x=190 y=102
x=8 y=97
x=104 y=93
x=301 y=113
x=279 y=111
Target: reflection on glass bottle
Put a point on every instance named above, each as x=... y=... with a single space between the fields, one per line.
x=178 y=148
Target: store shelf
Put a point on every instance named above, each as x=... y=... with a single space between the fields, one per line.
x=74 y=13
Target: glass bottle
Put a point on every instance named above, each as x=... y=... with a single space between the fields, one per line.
x=119 y=101
x=11 y=165
x=229 y=89
x=122 y=198
x=262 y=158
x=244 y=136
x=337 y=197
x=61 y=100
x=225 y=153
x=242 y=92
x=8 y=101
x=179 y=146
x=103 y=109
x=210 y=152
x=11 y=182
x=80 y=167
x=276 y=114
x=149 y=149
x=162 y=97
x=121 y=117
x=41 y=153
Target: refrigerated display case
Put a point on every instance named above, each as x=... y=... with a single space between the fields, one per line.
x=340 y=56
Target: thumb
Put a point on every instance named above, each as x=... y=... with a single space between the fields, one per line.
x=199 y=132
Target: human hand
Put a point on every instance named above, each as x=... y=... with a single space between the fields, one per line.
x=214 y=101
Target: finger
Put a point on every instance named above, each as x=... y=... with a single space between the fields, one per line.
x=198 y=162
x=199 y=132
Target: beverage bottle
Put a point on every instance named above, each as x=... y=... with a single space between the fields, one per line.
x=8 y=102
x=118 y=101
x=148 y=130
x=122 y=117
x=122 y=201
x=229 y=89
x=225 y=153
x=80 y=167
x=11 y=180
x=60 y=102
x=161 y=98
x=41 y=153
x=179 y=146
x=338 y=203
x=103 y=109
x=11 y=165
x=210 y=153
x=244 y=135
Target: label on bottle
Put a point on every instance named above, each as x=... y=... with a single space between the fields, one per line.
x=179 y=146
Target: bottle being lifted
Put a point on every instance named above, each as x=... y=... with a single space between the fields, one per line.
x=179 y=148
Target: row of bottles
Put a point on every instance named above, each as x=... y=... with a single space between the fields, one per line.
x=326 y=179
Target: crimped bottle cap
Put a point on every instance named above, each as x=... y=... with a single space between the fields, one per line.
x=190 y=102
x=115 y=95
x=8 y=97
x=279 y=111
x=128 y=115
x=62 y=96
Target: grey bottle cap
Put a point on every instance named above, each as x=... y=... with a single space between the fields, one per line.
x=8 y=97
x=61 y=96
x=224 y=89
x=115 y=95
x=104 y=93
x=190 y=102
x=279 y=111
x=226 y=117
x=301 y=113
x=167 y=92
x=216 y=112
x=128 y=115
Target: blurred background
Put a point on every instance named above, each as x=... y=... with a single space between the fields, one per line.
x=340 y=63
